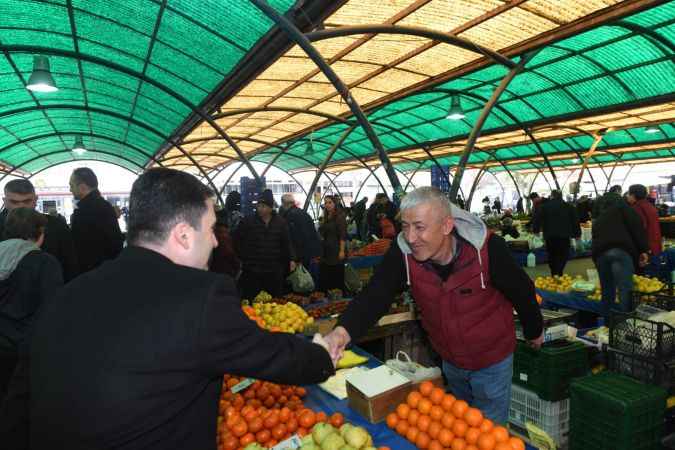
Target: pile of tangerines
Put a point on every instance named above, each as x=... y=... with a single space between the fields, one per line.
x=266 y=413
x=434 y=420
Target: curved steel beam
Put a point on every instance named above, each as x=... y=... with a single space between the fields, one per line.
x=446 y=38
x=14 y=168
x=140 y=76
x=326 y=160
x=238 y=111
x=296 y=36
x=478 y=126
x=630 y=169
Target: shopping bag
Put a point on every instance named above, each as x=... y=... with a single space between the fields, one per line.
x=535 y=242
x=301 y=280
x=415 y=372
x=352 y=279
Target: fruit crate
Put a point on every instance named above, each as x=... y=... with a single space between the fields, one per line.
x=548 y=371
x=663 y=299
x=647 y=370
x=610 y=411
x=551 y=417
x=632 y=334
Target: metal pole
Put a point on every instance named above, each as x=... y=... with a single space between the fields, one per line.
x=475 y=132
x=296 y=35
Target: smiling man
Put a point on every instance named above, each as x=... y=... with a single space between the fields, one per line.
x=466 y=284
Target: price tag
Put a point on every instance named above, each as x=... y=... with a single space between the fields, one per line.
x=523 y=377
x=291 y=443
x=242 y=385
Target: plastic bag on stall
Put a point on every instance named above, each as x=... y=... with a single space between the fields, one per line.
x=352 y=279
x=535 y=242
x=301 y=280
x=415 y=372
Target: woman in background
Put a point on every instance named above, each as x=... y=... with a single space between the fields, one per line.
x=333 y=231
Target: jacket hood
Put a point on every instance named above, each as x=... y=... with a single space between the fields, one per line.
x=468 y=226
x=11 y=252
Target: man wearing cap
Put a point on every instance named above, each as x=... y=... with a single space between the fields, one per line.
x=263 y=244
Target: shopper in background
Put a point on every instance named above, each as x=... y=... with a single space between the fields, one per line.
x=637 y=198
x=536 y=202
x=96 y=232
x=610 y=198
x=584 y=208
x=381 y=208
x=143 y=367
x=619 y=246
x=224 y=259
x=264 y=246
x=466 y=284
x=497 y=206
x=28 y=277
x=58 y=241
x=304 y=236
x=231 y=214
x=559 y=222
x=333 y=231
x=359 y=217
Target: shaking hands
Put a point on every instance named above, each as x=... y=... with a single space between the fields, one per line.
x=334 y=343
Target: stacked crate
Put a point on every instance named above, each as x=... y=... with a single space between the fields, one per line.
x=610 y=411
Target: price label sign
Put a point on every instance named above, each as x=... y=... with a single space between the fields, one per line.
x=242 y=385
x=291 y=443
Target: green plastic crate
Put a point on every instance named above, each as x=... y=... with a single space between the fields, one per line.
x=548 y=371
x=614 y=412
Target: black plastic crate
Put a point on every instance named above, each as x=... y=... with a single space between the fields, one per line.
x=663 y=299
x=648 y=370
x=631 y=334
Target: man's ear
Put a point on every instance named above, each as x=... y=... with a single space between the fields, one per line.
x=181 y=233
x=448 y=225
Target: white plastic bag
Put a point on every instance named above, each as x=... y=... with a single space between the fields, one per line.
x=535 y=242
x=301 y=280
x=413 y=371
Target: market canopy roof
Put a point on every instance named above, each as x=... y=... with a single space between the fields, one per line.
x=135 y=76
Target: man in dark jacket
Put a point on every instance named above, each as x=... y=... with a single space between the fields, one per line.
x=619 y=246
x=28 y=278
x=559 y=222
x=611 y=197
x=265 y=249
x=359 y=216
x=142 y=367
x=96 y=232
x=58 y=241
x=304 y=236
x=466 y=284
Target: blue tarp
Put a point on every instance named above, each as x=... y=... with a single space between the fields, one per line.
x=571 y=300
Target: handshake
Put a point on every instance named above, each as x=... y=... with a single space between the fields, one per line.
x=334 y=343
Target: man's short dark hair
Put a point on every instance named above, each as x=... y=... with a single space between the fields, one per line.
x=162 y=198
x=20 y=186
x=616 y=189
x=556 y=194
x=638 y=191
x=24 y=223
x=86 y=176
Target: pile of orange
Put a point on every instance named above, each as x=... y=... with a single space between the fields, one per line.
x=251 y=314
x=434 y=420
x=266 y=413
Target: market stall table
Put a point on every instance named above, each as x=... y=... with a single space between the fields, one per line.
x=572 y=300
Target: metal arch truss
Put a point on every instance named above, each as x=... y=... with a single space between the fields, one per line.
x=299 y=38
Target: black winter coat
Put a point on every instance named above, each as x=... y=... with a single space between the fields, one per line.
x=132 y=356
x=619 y=226
x=263 y=247
x=58 y=243
x=303 y=234
x=96 y=233
x=557 y=219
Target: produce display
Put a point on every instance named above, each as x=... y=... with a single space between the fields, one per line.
x=646 y=284
x=331 y=436
x=556 y=283
x=434 y=420
x=376 y=248
x=328 y=309
x=288 y=318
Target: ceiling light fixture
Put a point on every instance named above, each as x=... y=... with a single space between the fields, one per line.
x=41 y=79
x=652 y=129
x=455 y=112
x=310 y=146
x=79 y=148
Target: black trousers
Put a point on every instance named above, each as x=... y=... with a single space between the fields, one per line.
x=251 y=283
x=331 y=277
x=558 y=253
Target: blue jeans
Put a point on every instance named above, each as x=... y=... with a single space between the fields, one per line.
x=488 y=389
x=615 y=270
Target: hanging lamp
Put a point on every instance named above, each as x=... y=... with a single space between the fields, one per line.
x=79 y=148
x=41 y=79
x=455 y=112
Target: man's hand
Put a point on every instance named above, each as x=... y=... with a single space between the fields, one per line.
x=319 y=340
x=337 y=340
x=536 y=342
x=644 y=259
x=341 y=256
x=292 y=266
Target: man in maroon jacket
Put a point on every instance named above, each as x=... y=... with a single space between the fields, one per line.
x=637 y=197
x=466 y=284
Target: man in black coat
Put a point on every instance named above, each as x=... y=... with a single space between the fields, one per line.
x=96 y=232
x=58 y=242
x=301 y=228
x=131 y=355
x=264 y=246
x=559 y=222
